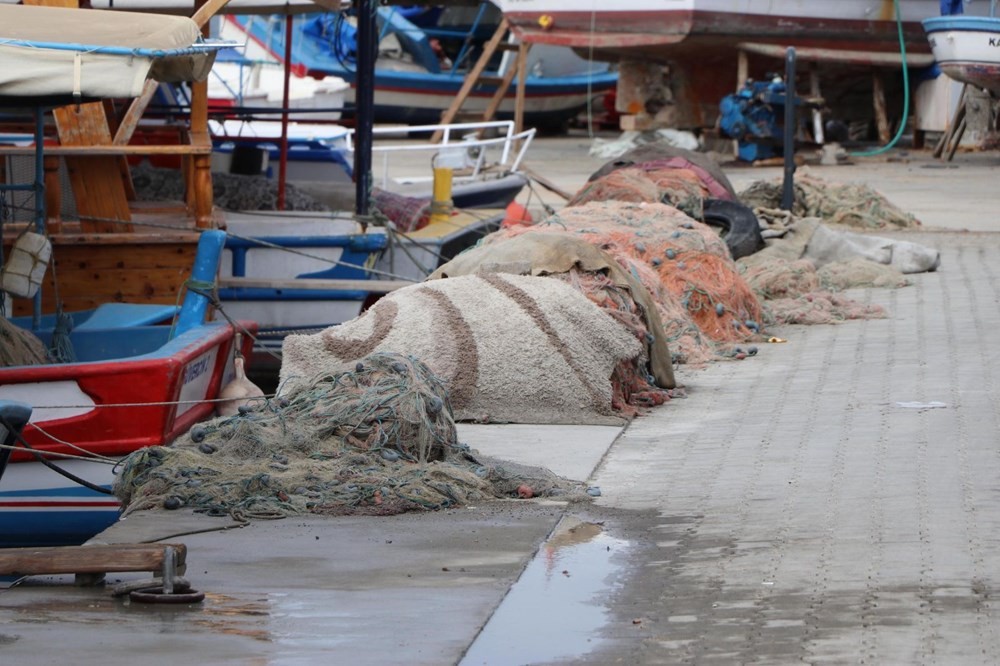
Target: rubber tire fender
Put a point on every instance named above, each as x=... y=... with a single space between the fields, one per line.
x=740 y=229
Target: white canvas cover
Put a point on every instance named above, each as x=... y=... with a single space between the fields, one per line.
x=187 y=7
x=34 y=71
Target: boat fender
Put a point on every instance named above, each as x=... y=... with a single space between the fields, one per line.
x=25 y=267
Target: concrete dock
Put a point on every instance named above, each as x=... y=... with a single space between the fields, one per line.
x=834 y=499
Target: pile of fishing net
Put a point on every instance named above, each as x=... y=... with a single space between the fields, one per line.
x=636 y=382
x=509 y=348
x=681 y=188
x=800 y=289
x=851 y=204
x=229 y=191
x=658 y=174
x=697 y=288
x=372 y=437
x=406 y=213
x=808 y=259
x=20 y=347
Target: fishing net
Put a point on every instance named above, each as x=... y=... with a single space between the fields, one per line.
x=860 y=273
x=406 y=213
x=631 y=383
x=372 y=437
x=851 y=204
x=661 y=156
x=796 y=292
x=20 y=347
x=229 y=191
x=636 y=382
x=821 y=307
x=678 y=187
x=701 y=297
x=509 y=348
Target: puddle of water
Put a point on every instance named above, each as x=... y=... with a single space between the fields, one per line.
x=556 y=607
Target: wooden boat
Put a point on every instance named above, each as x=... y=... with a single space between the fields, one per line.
x=967 y=48
x=415 y=79
x=140 y=376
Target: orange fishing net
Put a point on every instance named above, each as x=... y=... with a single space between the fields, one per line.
x=631 y=384
x=685 y=265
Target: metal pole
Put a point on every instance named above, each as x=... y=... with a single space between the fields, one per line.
x=365 y=99
x=283 y=160
x=39 y=190
x=788 y=187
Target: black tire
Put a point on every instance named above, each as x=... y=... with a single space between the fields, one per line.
x=739 y=225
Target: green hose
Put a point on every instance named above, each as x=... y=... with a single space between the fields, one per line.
x=906 y=92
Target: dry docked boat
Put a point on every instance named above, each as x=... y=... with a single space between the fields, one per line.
x=421 y=68
x=657 y=28
x=701 y=40
x=967 y=48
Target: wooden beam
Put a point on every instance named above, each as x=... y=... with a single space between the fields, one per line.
x=108 y=149
x=472 y=78
x=545 y=182
x=881 y=117
x=499 y=94
x=207 y=11
x=88 y=559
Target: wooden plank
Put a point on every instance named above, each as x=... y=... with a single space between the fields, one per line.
x=499 y=94
x=130 y=240
x=97 y=184
x=373 y=286
x=545 y=182
x=124 y=258
x=111 y=150
x=881 y=117
x=522 y=80
x=472 y=78
x=103 y=268
x=88 y=559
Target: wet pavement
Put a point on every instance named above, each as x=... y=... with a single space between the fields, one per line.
x=834 y=499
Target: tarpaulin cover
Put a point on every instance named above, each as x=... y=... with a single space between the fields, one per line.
x=33 y=71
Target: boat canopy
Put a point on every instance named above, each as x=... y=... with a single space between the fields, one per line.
x=55 y=52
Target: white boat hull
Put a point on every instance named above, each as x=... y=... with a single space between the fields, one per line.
x=968 y=55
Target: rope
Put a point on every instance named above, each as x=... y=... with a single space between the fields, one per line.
x=70 y=445
x=55 y=468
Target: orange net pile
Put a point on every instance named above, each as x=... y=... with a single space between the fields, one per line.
x=681 y=188
x=699 y=292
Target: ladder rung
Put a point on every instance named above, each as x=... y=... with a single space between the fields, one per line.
x=508 y=46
